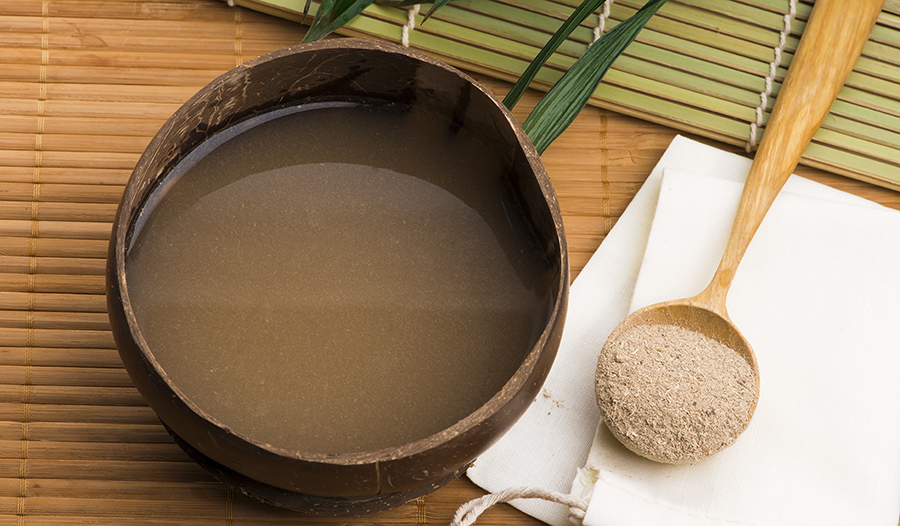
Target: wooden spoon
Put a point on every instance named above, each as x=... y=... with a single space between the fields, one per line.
x=829 y=47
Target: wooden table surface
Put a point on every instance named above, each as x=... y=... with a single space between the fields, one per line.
x=84 y=85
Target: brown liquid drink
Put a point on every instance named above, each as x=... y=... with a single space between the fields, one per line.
x=330 y=278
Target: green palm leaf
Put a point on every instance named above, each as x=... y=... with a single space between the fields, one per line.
x=434 y=7
x=333 y=14
x=559 y=107
x=577 y=17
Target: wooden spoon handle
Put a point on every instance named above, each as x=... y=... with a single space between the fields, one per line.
x=832 y=41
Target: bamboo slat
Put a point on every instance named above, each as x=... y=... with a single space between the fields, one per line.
x=53 y=338
x=43 y=265
x=85 y=84
x=37 y=320
x=57 y=229
x=57 y=211
x=60 y=357
x=69 y=395
x=76 y=248
x=37 y=302
x=75 y=174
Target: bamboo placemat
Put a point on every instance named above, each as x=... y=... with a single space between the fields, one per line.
x=84 y=84
x=699 y=66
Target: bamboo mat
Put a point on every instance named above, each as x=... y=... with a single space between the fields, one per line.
x=84 y=84
x=711 y=67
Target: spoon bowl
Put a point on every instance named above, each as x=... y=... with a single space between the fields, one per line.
x=690 y=315
x=832 y=41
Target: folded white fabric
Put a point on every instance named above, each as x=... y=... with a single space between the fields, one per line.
x=817 y=296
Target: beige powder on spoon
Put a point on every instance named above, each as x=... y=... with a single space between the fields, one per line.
x=672 y=394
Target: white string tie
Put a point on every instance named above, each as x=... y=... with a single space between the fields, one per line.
x=469 y=512
x=773 y=68
x=410 y=24
x=601 y=20
x=231 y=3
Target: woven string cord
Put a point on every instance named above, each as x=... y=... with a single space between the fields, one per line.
x=410 y=24
x=773 y=67
x=601 y=20
x=469 y=512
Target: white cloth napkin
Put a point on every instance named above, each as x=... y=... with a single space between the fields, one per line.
x=818 y=297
